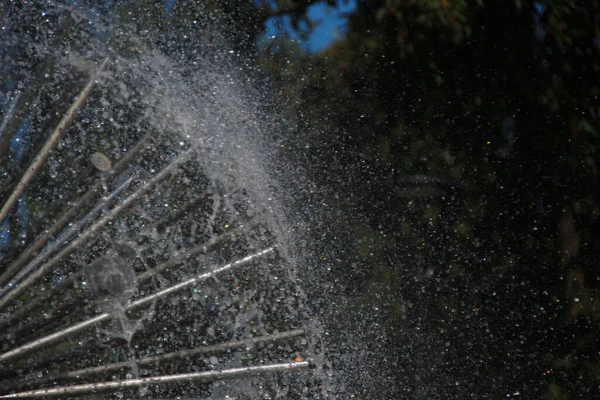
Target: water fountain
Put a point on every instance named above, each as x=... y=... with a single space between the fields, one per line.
x=143 y=253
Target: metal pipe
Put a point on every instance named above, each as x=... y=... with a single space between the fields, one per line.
x=41 y=157
x=46 y=341
x=199 y=249
x=193 y=281
x=42 y=297
x=71 y=213
x=59 y=241
x=86 y=235
x=29 y=97
x=207 y=376
x=177 y=355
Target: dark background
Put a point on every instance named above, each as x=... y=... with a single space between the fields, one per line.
x=458 y=142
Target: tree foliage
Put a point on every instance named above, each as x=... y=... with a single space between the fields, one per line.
x=471 y=133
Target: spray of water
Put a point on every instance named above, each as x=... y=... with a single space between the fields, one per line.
x=174 y=241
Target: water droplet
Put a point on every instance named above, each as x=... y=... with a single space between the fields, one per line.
x=101 y=162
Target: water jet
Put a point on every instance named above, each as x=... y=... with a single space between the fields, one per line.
x=150 y=263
